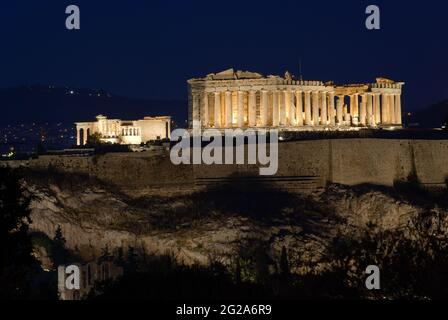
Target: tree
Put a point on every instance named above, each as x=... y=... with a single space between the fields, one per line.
x=238 y=272
x=94 y=139
x=119 y=257
x=17 y=264
x=132 y=261
x=59 y=251
x=105 y=255
x=58 y=237
x=284 y=263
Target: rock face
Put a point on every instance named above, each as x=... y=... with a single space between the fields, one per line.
x=215 y=223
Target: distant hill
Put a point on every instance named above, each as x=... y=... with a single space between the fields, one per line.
x=431 y=117
x=64 y=104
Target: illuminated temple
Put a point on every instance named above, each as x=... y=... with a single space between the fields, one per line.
x=241 y=99
x=116 y=131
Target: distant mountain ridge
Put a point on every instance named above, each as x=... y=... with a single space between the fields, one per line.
x=65 y=104
x=431 y=117
x=50 y=103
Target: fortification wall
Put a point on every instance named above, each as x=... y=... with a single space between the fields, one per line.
x=344 y=161
x=382 y=162
x=354 y=161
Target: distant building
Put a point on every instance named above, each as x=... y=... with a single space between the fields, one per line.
x=242 y=99
x=90 y=273
x=117 y=131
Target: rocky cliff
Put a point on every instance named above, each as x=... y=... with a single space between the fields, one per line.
x=217 y=223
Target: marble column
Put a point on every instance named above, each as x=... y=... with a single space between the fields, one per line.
x=384 y=109
x=370 y=120
x=392 y=109
x=196 y=108
x=282 y=101
x=240 y=115
x=291 y=109
x=275 y=109
x=264 y=108
x=315 y=107
x=339 y=110
x=353 y=97
x=205 y=118
x=308 y=119
x=323 y=109
x=229 y=110
x=287 y=107
x=169 y=130
x=252 y=109
x=363 y=110
x=398 y=115
x=331 y=111
x=299 y=108
x=377 y=108
x=355 y=110
x=85 y=136
x=217 y=120
x=78 y=137
x=347 y=116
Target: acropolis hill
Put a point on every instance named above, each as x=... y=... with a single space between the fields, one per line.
x=239 y=99
x=143 y=200
x=342 y=178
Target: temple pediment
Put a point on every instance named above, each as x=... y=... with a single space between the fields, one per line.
x=384 y=81
x=231 y=74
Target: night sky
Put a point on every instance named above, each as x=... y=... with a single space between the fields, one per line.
x=150 y=48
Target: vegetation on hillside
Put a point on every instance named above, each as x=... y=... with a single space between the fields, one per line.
x=20 y=272
x=413 y=264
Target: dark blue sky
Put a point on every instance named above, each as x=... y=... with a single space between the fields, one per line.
x=149 y=49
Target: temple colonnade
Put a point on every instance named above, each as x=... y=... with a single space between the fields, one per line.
x=295 y=108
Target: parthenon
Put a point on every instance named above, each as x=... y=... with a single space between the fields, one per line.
x=242 y=99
